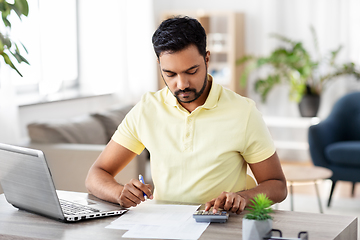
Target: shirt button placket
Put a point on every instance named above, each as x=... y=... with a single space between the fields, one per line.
x=188 y=134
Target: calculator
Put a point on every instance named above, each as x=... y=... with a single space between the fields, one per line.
x=206 y=216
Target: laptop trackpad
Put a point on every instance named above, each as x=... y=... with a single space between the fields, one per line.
x=89 y=200
x=84 y=201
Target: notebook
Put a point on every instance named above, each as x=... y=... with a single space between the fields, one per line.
x=28 y=185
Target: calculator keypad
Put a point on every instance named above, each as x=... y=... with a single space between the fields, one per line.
x=206 y=216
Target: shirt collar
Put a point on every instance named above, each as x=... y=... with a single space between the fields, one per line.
x=211 y=101
x=214 y=94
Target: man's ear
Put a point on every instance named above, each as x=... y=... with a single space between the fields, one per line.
x=207 y=57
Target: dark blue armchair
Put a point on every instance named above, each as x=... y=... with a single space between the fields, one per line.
x=335 y=142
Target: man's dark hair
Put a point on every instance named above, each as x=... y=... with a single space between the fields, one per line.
x=177 y=33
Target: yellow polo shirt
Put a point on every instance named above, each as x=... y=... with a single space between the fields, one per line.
x=196 y=156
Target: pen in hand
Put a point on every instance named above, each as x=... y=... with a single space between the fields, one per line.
x=141 y=179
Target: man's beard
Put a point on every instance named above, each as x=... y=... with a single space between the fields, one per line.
x=196 y=94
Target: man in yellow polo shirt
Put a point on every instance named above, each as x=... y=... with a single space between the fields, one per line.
x=201 y=136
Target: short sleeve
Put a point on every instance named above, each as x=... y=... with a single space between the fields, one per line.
x=127 y=132
x=258 y=141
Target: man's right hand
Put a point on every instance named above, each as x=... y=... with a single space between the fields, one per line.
x=133 y=193
x=101 y=177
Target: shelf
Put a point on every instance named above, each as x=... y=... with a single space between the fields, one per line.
x=291 y=145
x=218 y=43
x=286 y=122
x=290 y=136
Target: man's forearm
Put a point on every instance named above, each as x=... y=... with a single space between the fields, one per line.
x=102 y=185
x=275 y=190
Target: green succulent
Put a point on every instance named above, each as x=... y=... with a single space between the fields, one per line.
x=260 y=208
x=293 y=64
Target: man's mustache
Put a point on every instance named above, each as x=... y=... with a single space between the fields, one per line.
x=185 y=90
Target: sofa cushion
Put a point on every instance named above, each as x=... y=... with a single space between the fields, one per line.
x=344 y=153
x=84 y=130
x=112 y=118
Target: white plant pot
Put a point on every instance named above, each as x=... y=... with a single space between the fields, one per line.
x=256 y=229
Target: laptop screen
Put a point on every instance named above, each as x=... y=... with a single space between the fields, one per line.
x=26 y=181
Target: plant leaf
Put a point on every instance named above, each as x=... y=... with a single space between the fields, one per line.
x=5 y=13
x=6 y=22
x=316 y=42
x=19 y=58
x=5 y=40
x=282 y=38
x=25 y=7
x=1 y=45
x=244 y=59
x=334 y=55
x=8 y=61
x=21 y=7
x=260 y=208
x=24 y=48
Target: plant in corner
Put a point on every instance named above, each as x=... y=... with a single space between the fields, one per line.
x=7 y=45
x=258 y=222
x=293 y=64
x=10 y=52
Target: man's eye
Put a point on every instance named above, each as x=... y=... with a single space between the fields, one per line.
x=170 y=74
x=192 y=72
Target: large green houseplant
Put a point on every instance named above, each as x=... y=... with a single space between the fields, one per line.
x=292 y=63
x=257 y=223
x=9 y=46
x=10 y=53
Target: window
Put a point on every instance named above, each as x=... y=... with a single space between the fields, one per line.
x=49 y=33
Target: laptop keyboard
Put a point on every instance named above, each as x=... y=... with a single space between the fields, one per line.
x=71 y=208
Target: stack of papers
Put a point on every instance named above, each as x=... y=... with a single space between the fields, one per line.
x=164 y=221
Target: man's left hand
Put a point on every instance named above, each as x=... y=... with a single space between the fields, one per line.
x=228 y=201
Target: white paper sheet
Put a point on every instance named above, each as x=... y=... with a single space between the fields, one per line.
x=149 y=220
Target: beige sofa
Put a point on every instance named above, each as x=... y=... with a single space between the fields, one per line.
x=72 y=145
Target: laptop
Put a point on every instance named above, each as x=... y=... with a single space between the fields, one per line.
x=28 y=185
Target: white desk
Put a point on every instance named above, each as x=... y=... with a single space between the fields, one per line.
x=16 y=224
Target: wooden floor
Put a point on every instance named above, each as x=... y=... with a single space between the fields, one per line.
x=305 y=199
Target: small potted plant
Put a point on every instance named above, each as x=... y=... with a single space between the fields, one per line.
x=257 y=224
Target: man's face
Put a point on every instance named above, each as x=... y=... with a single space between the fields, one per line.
x=185 y=73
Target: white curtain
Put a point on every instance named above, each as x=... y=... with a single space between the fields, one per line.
x=115 y=47
x=141 y=59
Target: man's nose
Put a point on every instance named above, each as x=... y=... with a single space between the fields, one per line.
x=182 y=82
